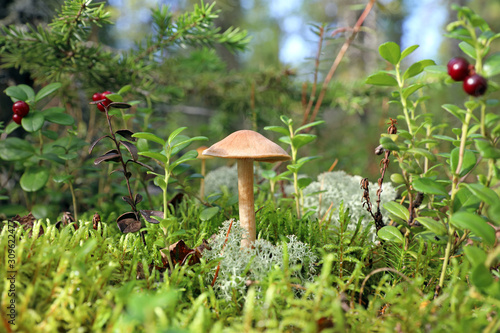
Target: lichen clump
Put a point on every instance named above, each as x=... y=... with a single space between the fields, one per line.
x=239 y=266
x=338 y=186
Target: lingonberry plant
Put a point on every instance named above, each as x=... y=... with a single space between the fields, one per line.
x=447 y=180
x=295 y=139
x=39 y=159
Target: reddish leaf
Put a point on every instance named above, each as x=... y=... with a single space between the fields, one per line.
x=128 y=222
x=127 y=134
x=96 y=141
x=27 y=222
x=111 y=155
x=138 y=198
x=147 y=214
x=96 y=220
x=131 y=149
x=120 y=105
x=128 y=200
x=181 y=254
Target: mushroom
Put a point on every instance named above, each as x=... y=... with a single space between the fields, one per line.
x=246 y=146
x=202 y=158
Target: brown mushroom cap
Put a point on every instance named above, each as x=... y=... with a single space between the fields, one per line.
x=248 y=144
x=200 y=156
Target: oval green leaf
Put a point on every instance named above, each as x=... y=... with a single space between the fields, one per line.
x=432 y=225
x=469 y=161
x=429 y=186
x=33 y=179
x=397 y=210
x=391 y=234
x=474 y=223
x=391 y=52
x=382 y=79
x=33 y=122
x=47 y=90
x=15 y=149
x=208 y=213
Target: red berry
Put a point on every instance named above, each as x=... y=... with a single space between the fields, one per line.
x=458 y=68
x=17 y=118
x=97 y=97
x=107 y=100
x=100 y=106
x=475 y=85
x=20 y=108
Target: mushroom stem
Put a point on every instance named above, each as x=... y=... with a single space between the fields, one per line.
x=202 y=182
x=246 y=200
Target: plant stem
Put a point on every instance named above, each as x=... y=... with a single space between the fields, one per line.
x=454 y=190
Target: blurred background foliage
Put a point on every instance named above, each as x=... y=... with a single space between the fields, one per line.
x=215 y=91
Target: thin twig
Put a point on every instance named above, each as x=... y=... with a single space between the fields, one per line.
x=340 y=55
x=223 y=246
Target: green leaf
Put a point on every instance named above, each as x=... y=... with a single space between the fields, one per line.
x=468 y=49
x=475 y=255
x=172 y=136
x=428 y=186
x=17 y=93
x=47 y=90
x=491 y=66
x=465 y=201
x=409 y=50
x=382 y=79
x=286 y=139
x=60 y=119
x=474 y=223
x=190 y=155
x=149 y=137
x=11 y=127
x=494 y=214
x=481 y=277
x=157 y=156
x=417 y=68
x=484 y=193
x=62 y=178
x=303 y=182
x=391 y=234
x=34 y=178
x=278 y=129
x=437 y=69
x=315 y=123
x=391 y=52
x=208 y=213
x=29 y=92
x=435 y=226
x=424 y=152
x=301 y=140
x=397 y=178
x=397 y=210
x=487 y=150
x=456 y=111
x=469 y=161
x=115 y=98
x=388 y=143
x=15 y=149
x=124 y=89
x=33 y=121
x=411 y=89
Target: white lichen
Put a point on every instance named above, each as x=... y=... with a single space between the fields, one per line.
x=237 y=265
x=338 y=186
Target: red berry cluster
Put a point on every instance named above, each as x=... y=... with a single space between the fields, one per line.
x=460 y=70
x=21 y=110
x=104 y=101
